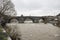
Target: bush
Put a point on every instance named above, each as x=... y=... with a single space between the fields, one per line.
x=3 y=36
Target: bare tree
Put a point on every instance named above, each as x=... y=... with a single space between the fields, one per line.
x=7 y=7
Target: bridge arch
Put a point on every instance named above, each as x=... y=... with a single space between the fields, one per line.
x=13 y=20
x=28 y=20
x=40 y=20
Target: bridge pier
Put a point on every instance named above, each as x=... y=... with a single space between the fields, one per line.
x=45 y=20
x=21 y=21
x=35 y=21
x=58 y=23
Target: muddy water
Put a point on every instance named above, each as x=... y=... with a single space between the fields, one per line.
x=36 y=31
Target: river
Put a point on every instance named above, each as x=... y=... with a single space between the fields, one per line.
x=36 y=31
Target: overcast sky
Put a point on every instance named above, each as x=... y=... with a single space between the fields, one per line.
x=37 y=7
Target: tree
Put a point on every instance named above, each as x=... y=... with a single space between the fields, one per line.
x=7 y=8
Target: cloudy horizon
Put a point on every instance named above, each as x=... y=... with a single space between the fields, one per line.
x=37 y=7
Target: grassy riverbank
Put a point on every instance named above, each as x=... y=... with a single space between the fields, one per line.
x=3 y=35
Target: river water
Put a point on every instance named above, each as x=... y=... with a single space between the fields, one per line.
x=36 y=31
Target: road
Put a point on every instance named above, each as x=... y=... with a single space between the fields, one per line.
x=36 y=31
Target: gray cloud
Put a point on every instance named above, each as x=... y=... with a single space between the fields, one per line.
x=37 y=4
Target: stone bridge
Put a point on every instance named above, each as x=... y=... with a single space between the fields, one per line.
x=22 y=19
